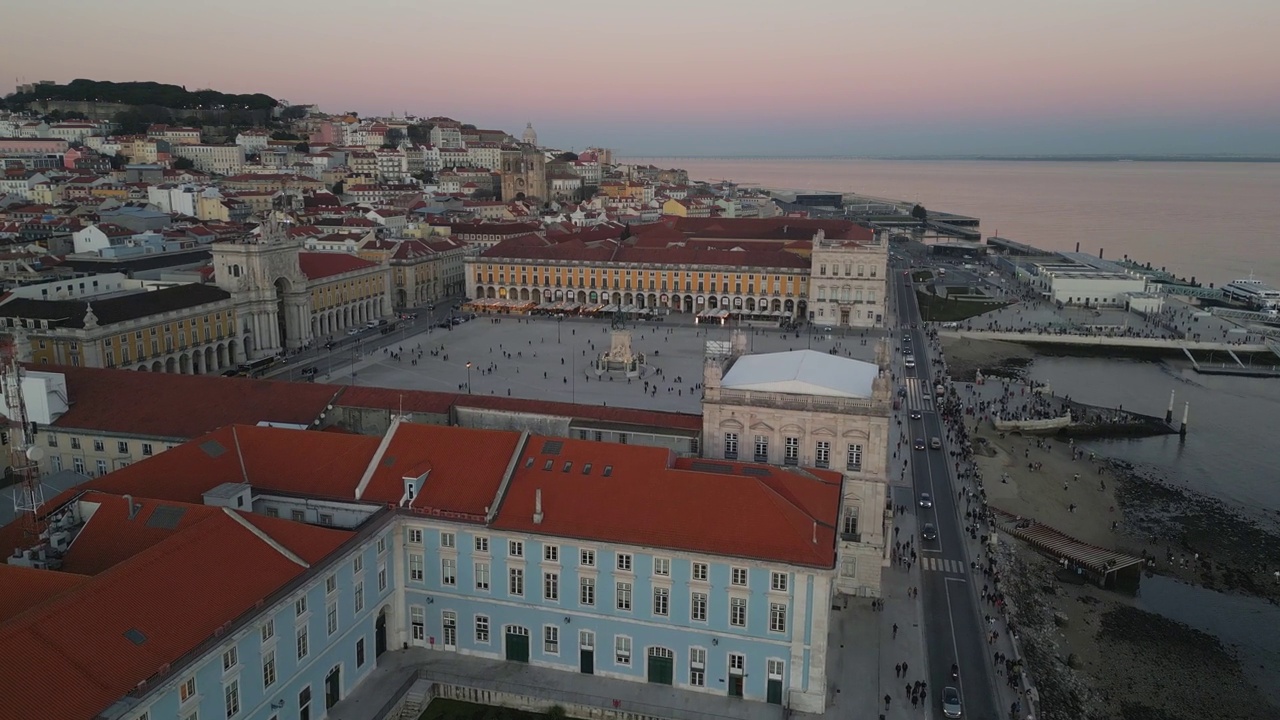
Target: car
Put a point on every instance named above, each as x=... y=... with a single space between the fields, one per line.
x=935 y=443
x=926 y=500
x=919 y=443
x=929 y=532
x=951 y=705
x=354 y=331
x=910 y=361
x=826 y=329
x=915 y=415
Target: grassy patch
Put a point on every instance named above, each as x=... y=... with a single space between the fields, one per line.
x=936 y=309
x=922 y=275
x=445 y=709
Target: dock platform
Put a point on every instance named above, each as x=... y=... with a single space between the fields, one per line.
x=1106 y=567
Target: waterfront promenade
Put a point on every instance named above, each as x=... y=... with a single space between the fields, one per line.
x=1102 y=340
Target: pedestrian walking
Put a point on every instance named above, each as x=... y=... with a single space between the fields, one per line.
x=897 y=670
x=895 y=630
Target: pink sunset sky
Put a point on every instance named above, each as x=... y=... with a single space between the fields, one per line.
x=986 y=76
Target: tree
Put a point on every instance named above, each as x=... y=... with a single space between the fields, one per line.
x=338 y=188
x=482 y=194
x=302 y=147
x=419 y=133
x=137 y=120
x=284 y=135
x=426 y=176
x=117 y=161
x=393 y=138
x=918 y=212
x=183 y=164
x=567 y=156
x=294 y=112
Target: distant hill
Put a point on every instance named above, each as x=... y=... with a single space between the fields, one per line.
x=143 y=93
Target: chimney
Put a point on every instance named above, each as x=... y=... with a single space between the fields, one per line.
x=133 y=509
x=815 y=532
x=537 y=506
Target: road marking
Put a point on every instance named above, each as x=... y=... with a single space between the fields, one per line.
x=955 y=646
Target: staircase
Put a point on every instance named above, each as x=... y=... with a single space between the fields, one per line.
x=414 y=702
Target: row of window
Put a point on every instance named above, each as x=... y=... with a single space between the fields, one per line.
x=122 y=446
x=791 y=451
x=845 y=294
x=623 y=562
x=622 y=645
x=848 y=270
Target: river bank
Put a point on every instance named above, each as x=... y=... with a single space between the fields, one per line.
x=1099 y=654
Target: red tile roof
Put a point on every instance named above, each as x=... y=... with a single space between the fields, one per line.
x=760 y=511
x=326 y=264
x=22 y=588
x=79 y=637
x=110 y=537
x=457 y=480
x=182 y=406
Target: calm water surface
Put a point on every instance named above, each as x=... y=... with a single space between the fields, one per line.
x=1214 y=221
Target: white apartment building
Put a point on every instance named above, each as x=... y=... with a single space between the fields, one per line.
x=847 y=281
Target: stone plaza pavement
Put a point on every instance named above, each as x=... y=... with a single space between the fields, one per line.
x=542 y=359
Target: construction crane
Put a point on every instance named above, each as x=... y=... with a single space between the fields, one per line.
x=23 y=472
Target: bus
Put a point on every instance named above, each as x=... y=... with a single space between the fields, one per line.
x=256 y=368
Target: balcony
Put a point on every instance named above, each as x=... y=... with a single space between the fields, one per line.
x=861 y=406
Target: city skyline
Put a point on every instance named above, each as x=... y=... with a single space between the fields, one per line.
x=993 y=78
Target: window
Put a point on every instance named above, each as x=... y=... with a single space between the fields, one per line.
x=849 y=527
x=587 y=558
x=823 y=457
x=360 y=652
x=300 y=606
x=231 y=698
x=122 y=447
x=418 y=621
x=382 y=577
x=624 y=562
x=75 y=443
x=662 y=567
x=624 y=596
x=146 y=448
x=778 y=581
x=229 y=659
x=331 y=619
x=622 y=650
x=700 y=572
x=52 y=440
x=102 y=468
x=550 y=639
x=482 y=628
x=415 y=567
x=739 y=576
x=78 y=464
x=330 y=584
x=357 y=565
x=268 y=668
x=697 y=667
x=791 y=451
x=777 y=617
x=482 y=544
x=698 y=607
x=661 y=601
x=482 y=576
x=587 y=591
x=98 y=446
x=188 y=689
x=551 y=586
x=854 y=459
x=448 y=572
x=515 y=548
x=415 y=536
x=359 y=595
x=731 y=446
x=762 y=448
x=382 y=544
x=303 y=641
x=551 y=553
x=515 y=582
x=448 y=540
x=738 y=612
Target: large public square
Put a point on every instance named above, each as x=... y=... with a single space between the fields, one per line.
x=542 y=358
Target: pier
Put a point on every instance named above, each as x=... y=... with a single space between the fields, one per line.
x=1103 y=341
x=1107 y=568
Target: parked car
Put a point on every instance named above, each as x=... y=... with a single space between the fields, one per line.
x=929 y=532
x=354 y=331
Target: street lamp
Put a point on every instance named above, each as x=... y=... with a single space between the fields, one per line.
x=559 y=322
x=468 y=377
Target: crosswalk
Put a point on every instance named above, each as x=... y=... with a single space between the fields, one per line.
x=943 y=565
x=919 y=396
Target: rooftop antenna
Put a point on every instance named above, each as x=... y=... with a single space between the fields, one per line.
x=25 y=455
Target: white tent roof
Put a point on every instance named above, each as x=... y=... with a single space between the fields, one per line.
x=802 y=372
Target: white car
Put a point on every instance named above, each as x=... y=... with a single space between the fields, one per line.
x=354 y=331
x=910 y=362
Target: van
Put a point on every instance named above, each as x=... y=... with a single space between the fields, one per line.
x=935 y=443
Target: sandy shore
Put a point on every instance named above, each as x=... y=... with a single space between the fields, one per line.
x=965 y=356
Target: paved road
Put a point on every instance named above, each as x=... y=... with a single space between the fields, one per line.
x=954 y=630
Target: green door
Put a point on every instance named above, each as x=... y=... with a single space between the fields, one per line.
x=518 y=646
x=775 y=691
x=735 y=686
x=587 y=661
x=661 y=669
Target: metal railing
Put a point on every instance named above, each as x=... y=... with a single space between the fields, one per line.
x=396 y=696
x=797 y=402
